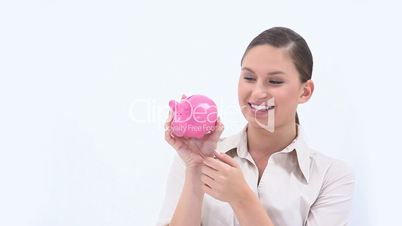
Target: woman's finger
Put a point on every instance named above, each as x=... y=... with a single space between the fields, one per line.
x=226 y=159
x=168 y=130
x=215 y=164
x=170 y=118
x=168 y=136
x=219 y=127
x=210 y=172
x=208 y=181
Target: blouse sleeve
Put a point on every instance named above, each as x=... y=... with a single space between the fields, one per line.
x=174 y=186
x=334 y=203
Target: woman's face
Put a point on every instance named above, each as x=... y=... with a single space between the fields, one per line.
x=267 y=76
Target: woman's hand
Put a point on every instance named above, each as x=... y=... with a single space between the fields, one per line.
x=193 y=151
x=223 y=179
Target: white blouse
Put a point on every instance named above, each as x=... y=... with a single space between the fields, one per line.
x=299 y=186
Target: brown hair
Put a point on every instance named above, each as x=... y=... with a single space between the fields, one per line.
x=295 y=46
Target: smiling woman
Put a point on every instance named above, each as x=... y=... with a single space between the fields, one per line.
x=260 y=176
x=292 y=49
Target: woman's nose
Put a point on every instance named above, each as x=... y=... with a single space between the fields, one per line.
x=260 y=92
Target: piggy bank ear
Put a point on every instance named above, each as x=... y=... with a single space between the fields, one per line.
x=183 y=97
x=172 y=105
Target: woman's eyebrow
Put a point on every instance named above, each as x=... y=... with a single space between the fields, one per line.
x=269 y=73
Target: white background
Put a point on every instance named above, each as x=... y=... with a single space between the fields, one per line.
x=85 y=85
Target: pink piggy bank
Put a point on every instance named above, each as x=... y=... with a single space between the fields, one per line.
x=193 y=116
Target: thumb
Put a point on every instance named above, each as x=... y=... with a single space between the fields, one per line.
x=226 y=159
x=219 y=127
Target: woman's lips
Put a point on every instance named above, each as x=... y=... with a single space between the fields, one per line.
x=260 y=107
x=259 y=111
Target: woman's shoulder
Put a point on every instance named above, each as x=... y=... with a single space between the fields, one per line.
x=322 y=166
x=329 y=168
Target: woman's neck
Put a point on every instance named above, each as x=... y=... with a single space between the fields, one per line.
x=262 y=142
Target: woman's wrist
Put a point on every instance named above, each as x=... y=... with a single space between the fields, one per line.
x=249 y=210
x=193 y=180
x=244 y=200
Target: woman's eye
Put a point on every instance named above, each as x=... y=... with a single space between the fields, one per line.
x=249 y=78
x=276 y=82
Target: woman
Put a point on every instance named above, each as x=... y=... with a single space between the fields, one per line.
x=266 y=174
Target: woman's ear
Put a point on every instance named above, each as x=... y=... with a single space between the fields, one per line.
x=307 y=91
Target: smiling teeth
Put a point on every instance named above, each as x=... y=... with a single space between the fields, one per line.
x=261 y=107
